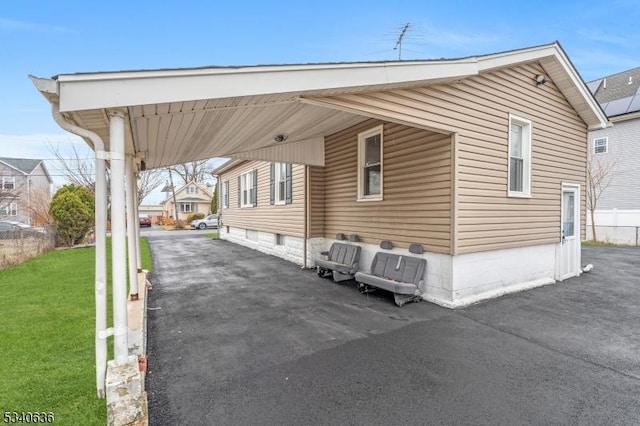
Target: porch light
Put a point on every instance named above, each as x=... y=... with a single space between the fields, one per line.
x=541 y=79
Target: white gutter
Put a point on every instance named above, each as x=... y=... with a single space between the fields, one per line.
x=101 y=244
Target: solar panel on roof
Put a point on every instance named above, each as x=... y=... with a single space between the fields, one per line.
x=618 y=106
x=593 y=85
x=635 y=104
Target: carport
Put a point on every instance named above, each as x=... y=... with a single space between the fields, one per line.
x=138 y=120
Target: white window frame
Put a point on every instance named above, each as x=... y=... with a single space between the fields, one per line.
x=606 y=145
x=184 y=210
x=527 y=127
x=246 y=189
x=6 y=179
x=9 y=209
x=362 y=137
x=280 y=177
x=192 y=190
x=225 y=194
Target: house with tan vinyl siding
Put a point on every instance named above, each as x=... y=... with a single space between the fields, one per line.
x=487 y=172
x=192 y=197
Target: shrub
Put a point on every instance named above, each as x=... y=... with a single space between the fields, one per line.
x=72 y=209
x=214 y=199
x=194 y=216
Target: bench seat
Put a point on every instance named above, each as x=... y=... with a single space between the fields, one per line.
x=401 y=275
x=342 y=262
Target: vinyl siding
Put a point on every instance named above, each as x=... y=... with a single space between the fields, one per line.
x=316 y=202
x=285 y=219
x=416 y=207
x=478 y=109
x=624 y=151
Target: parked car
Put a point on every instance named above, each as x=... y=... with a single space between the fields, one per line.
x=210 y=221
x=145 y=220
x=13 y=229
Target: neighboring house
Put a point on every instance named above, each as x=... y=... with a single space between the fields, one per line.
x=25 y=187
x=617 y=148
x=491 y=184
x=151 y=210
x=193 y=197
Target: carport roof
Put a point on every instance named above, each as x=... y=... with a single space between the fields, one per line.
x=180 y=115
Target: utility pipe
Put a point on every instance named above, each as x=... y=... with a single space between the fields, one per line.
x=101 y=243
x=118 y=237
x=131 y=229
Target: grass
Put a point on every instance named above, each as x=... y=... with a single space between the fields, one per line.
x=591 y=243
x=47 y=323
x=213 y=235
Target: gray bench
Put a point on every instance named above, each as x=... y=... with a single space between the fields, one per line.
x=341 y=263
x=401 y=275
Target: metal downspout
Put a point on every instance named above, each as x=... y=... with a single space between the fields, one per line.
x=101 y=244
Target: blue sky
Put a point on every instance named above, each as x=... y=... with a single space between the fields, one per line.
x=49 y=38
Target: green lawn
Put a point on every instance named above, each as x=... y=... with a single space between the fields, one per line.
x=213 y=235
x=47 y=322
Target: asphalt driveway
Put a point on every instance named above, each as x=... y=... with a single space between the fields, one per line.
x=237 y=337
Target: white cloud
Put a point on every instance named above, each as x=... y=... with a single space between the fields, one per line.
x=23 y=26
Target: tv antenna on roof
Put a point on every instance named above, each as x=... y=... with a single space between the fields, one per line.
x=398 y=45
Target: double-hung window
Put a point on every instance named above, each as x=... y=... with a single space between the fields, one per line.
x=519 y=157
x=192 y=190
x=225 y=194
x=280 y=187
x=9 y=182
x=9 y=209
x=370 y=164
x=186 y=207
x=600 y=145
x=247 y=184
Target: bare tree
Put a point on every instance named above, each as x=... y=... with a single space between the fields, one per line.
x=599 y=174
x=149 y=180
x=39 y=207
x=197 y=171
x=79 y=168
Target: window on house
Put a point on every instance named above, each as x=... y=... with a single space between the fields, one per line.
x=9 y=209
x=600 y=145
x=186 y=207
x=280 y=187
x=192 y=190
x=279 y=240
x=247 y=186
x=519 y=156
x=370 y=164
x=225 y=194
x=8 y=182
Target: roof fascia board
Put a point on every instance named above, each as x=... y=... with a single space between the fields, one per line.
x=127 y=89
x=625 y=117
x=580 y=85
x=230 y=164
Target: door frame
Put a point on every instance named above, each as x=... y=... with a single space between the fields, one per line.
x=560 y=275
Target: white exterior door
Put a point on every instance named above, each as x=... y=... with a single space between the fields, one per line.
x=569 y=252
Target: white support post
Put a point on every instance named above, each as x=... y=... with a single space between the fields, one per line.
x=118 y=237
x=131 y=230
x=101 y=273
x=136 y=204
